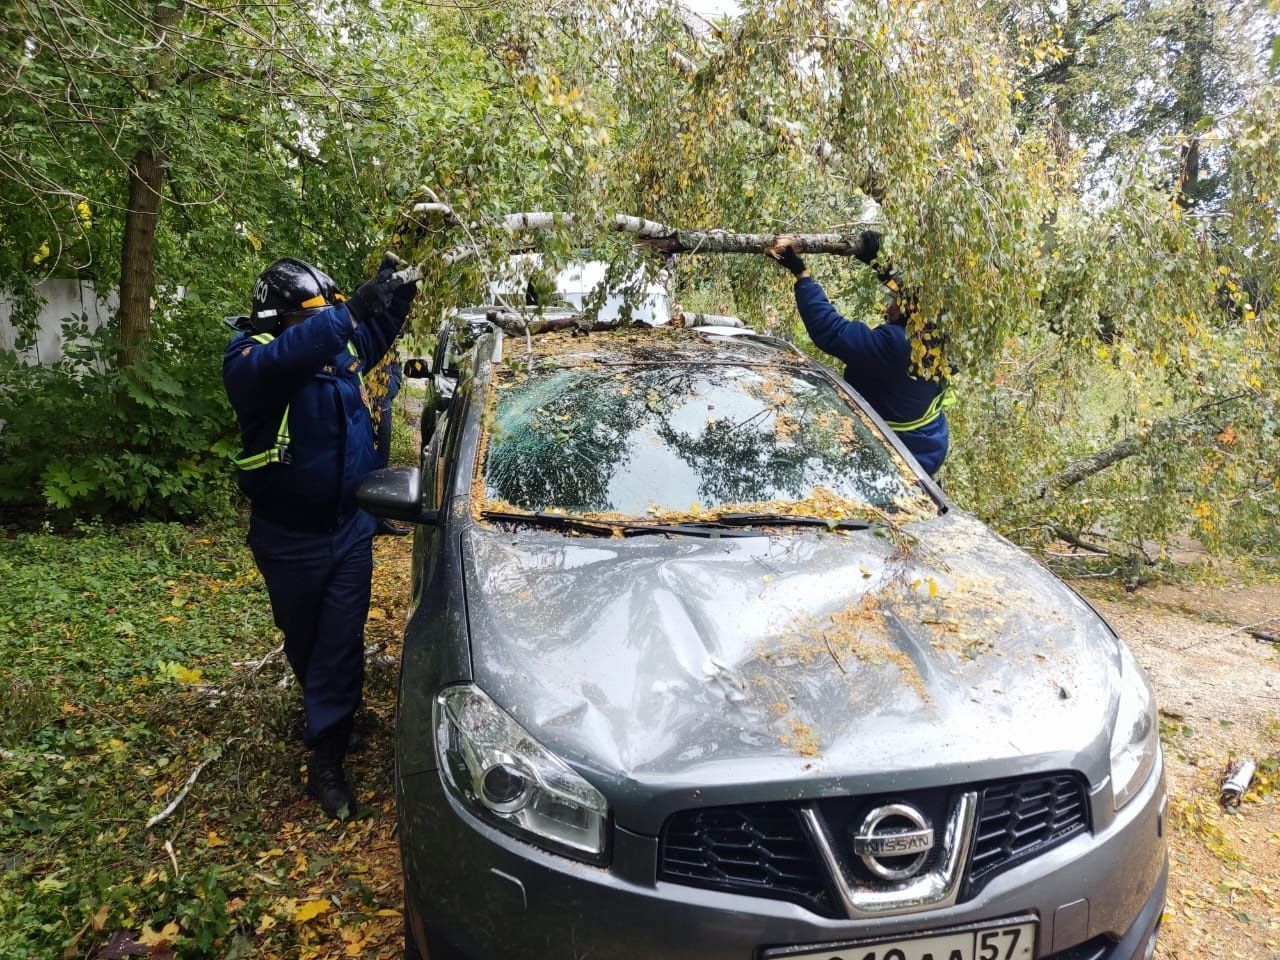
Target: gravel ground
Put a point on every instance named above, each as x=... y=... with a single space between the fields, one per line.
x=1218 y=689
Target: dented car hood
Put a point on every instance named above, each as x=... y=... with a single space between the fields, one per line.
x=672 y=670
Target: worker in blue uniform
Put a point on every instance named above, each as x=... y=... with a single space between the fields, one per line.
x=294 y=375
x=877 y=359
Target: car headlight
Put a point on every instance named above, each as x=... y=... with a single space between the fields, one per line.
x=504 y=776
x=1135 y=740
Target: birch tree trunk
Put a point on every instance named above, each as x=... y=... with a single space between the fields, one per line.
x=660 y=236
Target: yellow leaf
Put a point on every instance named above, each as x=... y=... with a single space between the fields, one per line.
x=377 y=613
x=310 y=910
x=933 y=587
x=387 y=913
x=162 y=937
x=214 y=840
x=266 y=922
x=186 y=675
x=99 y=920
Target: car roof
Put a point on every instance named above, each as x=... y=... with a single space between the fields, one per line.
x=644 y=345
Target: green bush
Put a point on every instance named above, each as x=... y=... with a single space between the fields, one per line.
x=155 y=439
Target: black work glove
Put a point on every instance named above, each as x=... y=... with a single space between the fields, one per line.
x=782 y=251
x=384 y=293
x=866 y=250
x=868 y=246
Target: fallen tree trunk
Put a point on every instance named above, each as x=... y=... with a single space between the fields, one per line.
x=660 y=236
x=1096 y=462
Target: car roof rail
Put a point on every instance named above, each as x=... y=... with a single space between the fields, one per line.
x=763 y=338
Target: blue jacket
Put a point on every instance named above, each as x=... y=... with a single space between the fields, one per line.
x=308 y=368
x=878 y=365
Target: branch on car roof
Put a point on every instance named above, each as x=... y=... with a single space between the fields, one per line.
x=518 y=324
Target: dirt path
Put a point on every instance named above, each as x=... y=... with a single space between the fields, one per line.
x=1219 y=697
x=1219 y=694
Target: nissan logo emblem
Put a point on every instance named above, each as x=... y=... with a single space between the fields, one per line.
x=897 y=833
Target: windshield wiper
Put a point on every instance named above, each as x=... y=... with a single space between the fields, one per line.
x=693 y=528
x=785 y=520
x=554 y=521
x=727 y=525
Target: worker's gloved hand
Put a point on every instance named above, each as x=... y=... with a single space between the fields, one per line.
x=867 y=247
x=783 y=250
x=384 y=293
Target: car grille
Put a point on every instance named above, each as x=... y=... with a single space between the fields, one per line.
x=1021 y=819
x=763 y=849
x=760 y=849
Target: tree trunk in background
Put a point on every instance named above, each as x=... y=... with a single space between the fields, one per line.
x=1191 y=104
x=146 y=192
x=138 y=256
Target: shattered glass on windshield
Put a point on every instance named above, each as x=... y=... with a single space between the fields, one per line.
x=652 y=441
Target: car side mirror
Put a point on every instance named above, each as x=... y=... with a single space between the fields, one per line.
x=396 y=494
x=416 y=368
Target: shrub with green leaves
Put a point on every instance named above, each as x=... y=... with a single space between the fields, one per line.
x=153 y=439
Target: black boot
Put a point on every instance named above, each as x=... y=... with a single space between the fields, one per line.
x=326 y=781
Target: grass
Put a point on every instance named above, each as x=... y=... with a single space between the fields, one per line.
x=122 y=669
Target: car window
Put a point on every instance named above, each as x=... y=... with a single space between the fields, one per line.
x=642 y=441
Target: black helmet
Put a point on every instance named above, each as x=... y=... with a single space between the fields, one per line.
x=290 y=286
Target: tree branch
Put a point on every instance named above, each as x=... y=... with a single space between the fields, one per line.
x=1098 y=461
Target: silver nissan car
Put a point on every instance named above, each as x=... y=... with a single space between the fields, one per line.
x=701 y=666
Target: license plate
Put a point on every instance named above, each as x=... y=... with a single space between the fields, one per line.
x=1014 y=941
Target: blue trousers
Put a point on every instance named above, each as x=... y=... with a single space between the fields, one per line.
x=319 y=587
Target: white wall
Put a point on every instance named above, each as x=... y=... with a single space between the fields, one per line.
x=62 y=299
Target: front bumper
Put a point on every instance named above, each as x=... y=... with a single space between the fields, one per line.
x=1098 y=897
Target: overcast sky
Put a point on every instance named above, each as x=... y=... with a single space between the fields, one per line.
x=711 y=8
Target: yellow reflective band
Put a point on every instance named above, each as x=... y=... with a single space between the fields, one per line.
x=339 y=297
x=931 y=413
x=313 y=302
x=280 y=451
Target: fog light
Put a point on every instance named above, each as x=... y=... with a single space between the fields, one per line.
x=504 y=788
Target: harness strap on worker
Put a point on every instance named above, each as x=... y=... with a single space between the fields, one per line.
x=931 y=413
x=280 y=452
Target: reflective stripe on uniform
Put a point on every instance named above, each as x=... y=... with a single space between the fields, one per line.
x=280 y=452
x=931 y=413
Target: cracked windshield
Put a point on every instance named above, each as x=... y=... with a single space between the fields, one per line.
x=654 y=442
